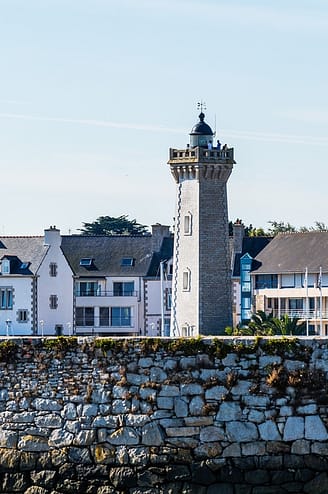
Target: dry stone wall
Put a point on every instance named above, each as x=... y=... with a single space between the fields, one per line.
x=229 y=415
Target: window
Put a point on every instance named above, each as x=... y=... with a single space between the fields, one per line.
x=246 y=303
x=5 y=266
x=272 y=303
x=167 y=323
x=6 y=298
x=87 y=289
x=246 y=286
x=103 y=316
x=53 y=301
x=127 y=261
x=86 y=261
x=53 y=269
x=123 y=289
x=310 y=280
x=84 y=316
x=24 y=265
x=168 y=298
x=121 y=316
x=295 y=304
x=187 y=224
x=22 y=315
x=266 y=281
x=287 y=281
x=186 y=280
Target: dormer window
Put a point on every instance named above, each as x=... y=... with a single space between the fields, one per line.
x=127 y=261
x=5 y=266
x=86 y=261
x=24 y=265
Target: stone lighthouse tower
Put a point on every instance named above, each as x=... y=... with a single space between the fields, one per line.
x=201 y=284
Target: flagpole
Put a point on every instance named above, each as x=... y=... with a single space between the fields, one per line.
x=320 y=287
x=307 y=301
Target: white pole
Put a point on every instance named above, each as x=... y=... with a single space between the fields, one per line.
x=307 y=301
x=162 y=296
x=320 y=286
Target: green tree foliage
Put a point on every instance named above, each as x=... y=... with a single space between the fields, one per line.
x=280 y=227
x=108 y=225
x=277 y=227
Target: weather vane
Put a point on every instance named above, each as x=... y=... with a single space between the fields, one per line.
x=201 y=106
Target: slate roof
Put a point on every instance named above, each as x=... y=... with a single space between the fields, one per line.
x=293 y=252
x=251 y=246
x=107 y=253
x=23 y=249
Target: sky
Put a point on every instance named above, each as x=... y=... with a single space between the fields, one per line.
x=93 y=93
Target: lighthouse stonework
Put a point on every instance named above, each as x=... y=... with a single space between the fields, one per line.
x=201 y=283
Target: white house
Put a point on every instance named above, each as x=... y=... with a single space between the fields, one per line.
x=35 y=285
x=75 y=284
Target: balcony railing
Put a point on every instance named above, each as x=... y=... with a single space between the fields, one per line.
x=301 y=314
x=105 y=293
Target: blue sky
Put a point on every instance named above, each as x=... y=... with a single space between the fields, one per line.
x=94 y=92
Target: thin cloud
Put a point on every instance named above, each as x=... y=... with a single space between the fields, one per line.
x=95 y=123
x=237 y=134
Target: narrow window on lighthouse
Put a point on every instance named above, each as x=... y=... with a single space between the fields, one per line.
x=186 y=280
x=187 y=224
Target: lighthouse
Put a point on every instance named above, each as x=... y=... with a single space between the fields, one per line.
x=201 y=283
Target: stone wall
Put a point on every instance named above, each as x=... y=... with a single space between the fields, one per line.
x=228 y=416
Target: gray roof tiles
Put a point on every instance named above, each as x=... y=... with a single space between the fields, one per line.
x=293 y=252
x=23 y=249
x=107 y=253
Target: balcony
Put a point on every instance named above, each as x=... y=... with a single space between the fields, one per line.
x=201 y=154
x=105 y=293
x=301 y=314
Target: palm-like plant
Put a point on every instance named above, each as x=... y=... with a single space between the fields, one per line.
x=287 y=325
x=260 y=323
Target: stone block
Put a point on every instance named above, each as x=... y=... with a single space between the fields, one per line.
x=182 y=431
x=123 y=435
x=228 y=411
x=294 y=429
x=216 y=393
x=315 y=428
x=169 y=390
x=211 y=434
x=165 y=403
x=196 y=405
x=181 y=407
x=268 y=431
x=241 y=431
x=151 y=435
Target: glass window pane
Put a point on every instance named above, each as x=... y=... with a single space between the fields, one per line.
x=129 y=288
x=89 y=316
x=79 y=316
x=118 y=289
x=103 y=316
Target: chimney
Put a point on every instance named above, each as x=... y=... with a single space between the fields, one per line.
x=158 y=232
x=238 y=230
x=52 y=236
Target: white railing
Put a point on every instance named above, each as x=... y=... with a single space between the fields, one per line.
x=301 y=314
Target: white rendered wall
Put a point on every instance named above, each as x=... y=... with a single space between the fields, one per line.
x=22 y=300
x=186 y=257
x=153 y=309
x=60 y=285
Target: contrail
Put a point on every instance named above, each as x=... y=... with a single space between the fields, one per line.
x=237 y=134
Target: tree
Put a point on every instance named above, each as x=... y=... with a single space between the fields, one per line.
x=280 y=227
x=109 y=225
